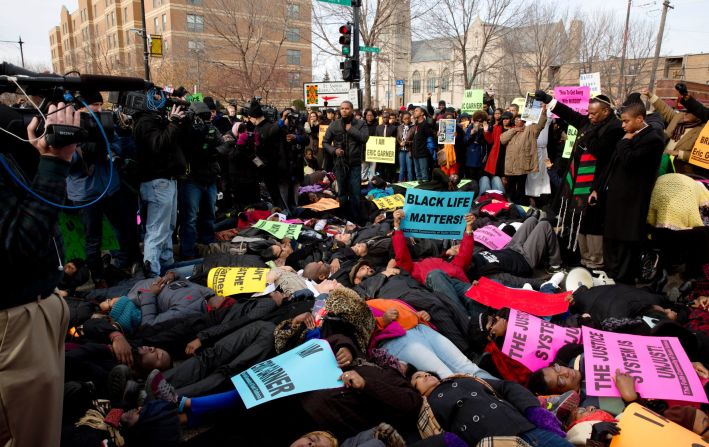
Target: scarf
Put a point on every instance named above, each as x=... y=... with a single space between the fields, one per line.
x=682 y=127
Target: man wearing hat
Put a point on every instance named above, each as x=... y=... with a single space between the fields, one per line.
x=89 y=177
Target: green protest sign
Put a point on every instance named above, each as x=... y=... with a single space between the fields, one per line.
x=196 y=97
x=472 y=101
x=279 y=230
x=74 y=235
x=571 y=134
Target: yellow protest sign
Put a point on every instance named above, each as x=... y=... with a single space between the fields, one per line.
x=321 y=134
x=323 y=204
x=700 y=151
x=226 y=281
x=381 y=150
x=642 y=427
x=390 y=202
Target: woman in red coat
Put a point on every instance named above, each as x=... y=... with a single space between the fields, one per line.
x=495 y=165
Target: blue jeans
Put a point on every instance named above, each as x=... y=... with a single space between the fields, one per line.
x=160 y=198
x=421 y=165
x=406 y=166
x=454 y=290
x=197 y=205
x=428 y=350
x=350 y=190
x=543 y=438
x=486 y=185
x=182 y=269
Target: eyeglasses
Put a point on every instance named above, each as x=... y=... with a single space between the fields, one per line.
x=560 y=381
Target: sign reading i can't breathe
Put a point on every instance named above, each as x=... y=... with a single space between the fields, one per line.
x=390 y=202
x=380 y=150
x=434 y=214
x=226 y=281
x=659 y=365
x=279 y=230
x=308 y=367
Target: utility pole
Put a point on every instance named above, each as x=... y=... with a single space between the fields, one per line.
x=20 y=42
x=356 y=4
x=145 y=41
x=621 y=80
x=658 y=44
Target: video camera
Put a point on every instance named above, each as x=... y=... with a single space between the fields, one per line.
x=54 y=89
x=152 y=100
x=269 y=112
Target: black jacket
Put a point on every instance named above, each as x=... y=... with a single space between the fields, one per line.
x=160 y=147
x=614 y=301
x=627 y=184
x=352 y=141
x=422 y=132
x=271 y=150
x=202 y=156
x=696 y=108
x=386 y=130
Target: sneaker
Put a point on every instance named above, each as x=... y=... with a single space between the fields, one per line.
x=147 y=271
x=157 y=388
x=554 y=269
x=555 y=280
x=562 y=406
x=117 y=380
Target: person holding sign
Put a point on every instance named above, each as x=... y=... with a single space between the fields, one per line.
x=404 y=140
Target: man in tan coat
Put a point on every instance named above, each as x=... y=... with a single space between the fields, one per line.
x=521 y=154
x=682 y=129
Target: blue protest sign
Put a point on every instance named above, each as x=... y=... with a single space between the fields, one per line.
x=434 y=214
x=308 y=367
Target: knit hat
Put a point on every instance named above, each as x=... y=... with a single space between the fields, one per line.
x=158 y=425
x=255 y=109
x=209 y=102
x=355 y=269
x=506 y=116
x=683 y=416
x=126 y=314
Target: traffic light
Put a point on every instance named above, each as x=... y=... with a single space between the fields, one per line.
x=346 y=38
x=349 y=69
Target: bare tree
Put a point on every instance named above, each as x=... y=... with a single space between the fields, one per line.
x=599 y=28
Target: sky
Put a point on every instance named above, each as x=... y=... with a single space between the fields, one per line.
x=684 y=32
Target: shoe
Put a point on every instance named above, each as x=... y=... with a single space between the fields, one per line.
x=553 y=269
x=157 y=388
x=134 y=269
x=117 y=380
x=562 y=405
x=555 y=280
x=147 y=271
x=660 y=282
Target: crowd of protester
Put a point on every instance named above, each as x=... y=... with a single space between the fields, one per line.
x=131 y=347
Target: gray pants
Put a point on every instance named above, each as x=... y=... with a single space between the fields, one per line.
x=534 y=240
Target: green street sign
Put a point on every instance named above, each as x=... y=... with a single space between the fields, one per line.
x=370 y=49
x=338 y=2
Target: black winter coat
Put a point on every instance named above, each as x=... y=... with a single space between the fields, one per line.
x=160 y=147
x=627 y=184
x=617 y=301
x=422 y=132
x=353 y=141
x=272 y=151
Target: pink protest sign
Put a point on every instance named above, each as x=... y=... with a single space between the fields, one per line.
x=492 y=237
x=659 y=365
x=534 y=342
x=574 y=97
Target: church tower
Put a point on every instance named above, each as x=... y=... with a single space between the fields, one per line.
x=394 y=61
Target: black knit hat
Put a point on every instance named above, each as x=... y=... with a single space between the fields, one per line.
x=255 y=109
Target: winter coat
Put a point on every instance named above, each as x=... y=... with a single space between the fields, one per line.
x=613 y=301
x=492 y=136
x=627 y=185
x=409 y=137
x=179 y=299
x=419 y=270
x=272 y=150
x=160 y=151
x=672 y=119
x=521 y=154
x=475 y=147
x=423 y=145
x=202 y=156
x=351 y=141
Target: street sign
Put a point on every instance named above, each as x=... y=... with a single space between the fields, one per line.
x=399 y=87
x=370 y=49
x=317 y=93
x=354 y=97
x=338 y=2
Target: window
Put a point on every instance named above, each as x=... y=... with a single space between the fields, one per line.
x=165 y=45
x=431 y=81
x=293 y=34
x=95 y=10
x=293 y=11
x=164 y=22
x=293 y=57
x=194 y=2
x=195 y=45
x=113 y=18
x=195 y=23
x=129 y=60
x=156 y=25
x=156 y=3
x=445 y=81
x=125 y=14
x=416 y=82
x=294 y=79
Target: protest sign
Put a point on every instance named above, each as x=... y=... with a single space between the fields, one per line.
x=574 y=97
x=415 y=183
x=497 y=296
x=472 y=101
x=659 y=365
x=321 y=134
x=226 y=281
x=323 y=204
x=592 y=81
x=308 y=367
x=571 y=134
x=534 y=342
x=434 y=214
x=390 y=202
x=532 y=109
x=74 y=235
x=446 y=131
x=640 y=426
x=492 y=237
x=700 y=151
x=279 y=230
x=380 y=150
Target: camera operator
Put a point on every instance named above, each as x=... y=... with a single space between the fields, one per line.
x=33 y=319
x=243 y=165
x=272 y=158
x=295 y=140
x=88 y=178
x=160 y=162
x=345 y=139
x=198 y=190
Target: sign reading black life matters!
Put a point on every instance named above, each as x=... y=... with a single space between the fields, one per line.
x=434 y=214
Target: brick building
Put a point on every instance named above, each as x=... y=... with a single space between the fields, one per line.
x=231 y=49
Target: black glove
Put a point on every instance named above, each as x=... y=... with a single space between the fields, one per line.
x=541 y=95
x=681 y=87
x=601 y=430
